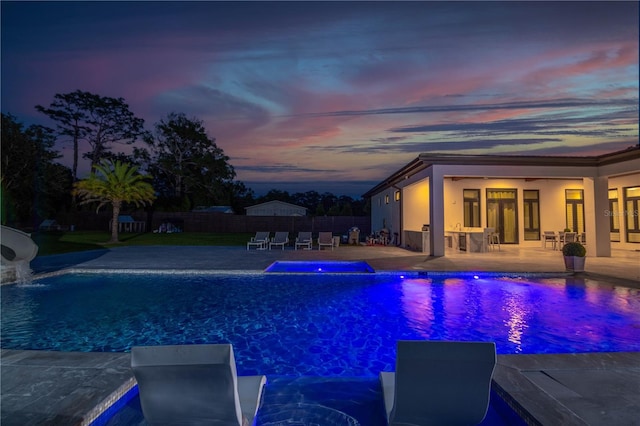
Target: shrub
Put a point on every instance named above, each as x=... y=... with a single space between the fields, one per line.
x=574 y=249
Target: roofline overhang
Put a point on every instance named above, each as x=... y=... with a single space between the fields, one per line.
x=415 y=166
x=427 y=160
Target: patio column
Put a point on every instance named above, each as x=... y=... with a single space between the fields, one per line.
x=596 y=204
x=436 y=210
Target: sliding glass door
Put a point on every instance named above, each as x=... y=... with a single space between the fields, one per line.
x=502 y=214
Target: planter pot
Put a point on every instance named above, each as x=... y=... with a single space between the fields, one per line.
x=574 y=263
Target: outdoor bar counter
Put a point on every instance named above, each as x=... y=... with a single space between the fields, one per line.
x=472 y=240
x=417 y=241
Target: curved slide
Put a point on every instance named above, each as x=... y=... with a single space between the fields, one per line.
x=16 y=247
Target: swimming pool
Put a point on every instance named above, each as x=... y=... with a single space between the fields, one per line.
x=317 y=324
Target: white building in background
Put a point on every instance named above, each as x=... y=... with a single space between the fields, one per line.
x=276 y=208
x=519 y=196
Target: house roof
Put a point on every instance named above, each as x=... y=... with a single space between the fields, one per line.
x=215 y=209
x=275 y=202
x=426 y=160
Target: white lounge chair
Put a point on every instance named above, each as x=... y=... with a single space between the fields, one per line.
x=195 y=385
x=281 y=239
x=325 y=239
x=439 y=383
x=304 y=240
x=260 y=241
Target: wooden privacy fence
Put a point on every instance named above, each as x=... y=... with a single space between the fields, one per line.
x=217 y=222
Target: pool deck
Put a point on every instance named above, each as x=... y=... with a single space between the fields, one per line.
x=59 y=388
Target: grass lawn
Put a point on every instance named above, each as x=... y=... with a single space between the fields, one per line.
x=65 y=242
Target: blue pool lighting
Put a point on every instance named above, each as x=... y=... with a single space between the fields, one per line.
x=317 y=324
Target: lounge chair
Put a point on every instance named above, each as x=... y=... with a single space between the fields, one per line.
x=304 y=240
x=194 y=384
x=260 y=241
x=281 y=239
x=325 y=239
x=439 y=383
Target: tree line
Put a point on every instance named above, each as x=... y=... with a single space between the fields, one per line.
x=185 y=165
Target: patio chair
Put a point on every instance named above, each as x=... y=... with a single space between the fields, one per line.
x=260 y=241
x=491 y=238
x=325 y=239
x=494 y=239
x=281 y=239
x=194 y=384
x=304 y=240
x=439 y=383
x=549 y=236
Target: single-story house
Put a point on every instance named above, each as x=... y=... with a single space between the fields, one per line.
x=276 y=208
x=441 y=196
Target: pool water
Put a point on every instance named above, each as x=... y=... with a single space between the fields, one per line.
x=317 y=324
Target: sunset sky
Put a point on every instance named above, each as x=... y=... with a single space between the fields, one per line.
x=335 y=96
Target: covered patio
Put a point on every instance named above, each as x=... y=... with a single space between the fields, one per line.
x=518 y=197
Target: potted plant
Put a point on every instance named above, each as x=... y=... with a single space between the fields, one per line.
x=574 y=256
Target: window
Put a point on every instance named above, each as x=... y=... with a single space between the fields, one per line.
x=386 y=199
x=397 y=195
x=630 y=213
x=471 y=208
x=531 y=214
x=614 y=215
x=575 y=209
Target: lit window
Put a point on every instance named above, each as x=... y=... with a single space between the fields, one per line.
x=614 y=215
x=531 y=206
x=386 y=199
x=630 y=213
x=574 y=201
x=471 y=207
x=397 y=195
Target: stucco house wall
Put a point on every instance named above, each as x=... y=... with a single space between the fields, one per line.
x=416 y=205
x=385 y=212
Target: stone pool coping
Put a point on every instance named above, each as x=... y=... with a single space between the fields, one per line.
x=75 y=388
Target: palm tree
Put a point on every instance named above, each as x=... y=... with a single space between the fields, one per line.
x=115 y=182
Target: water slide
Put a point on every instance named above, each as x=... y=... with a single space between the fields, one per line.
x=17 y=248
